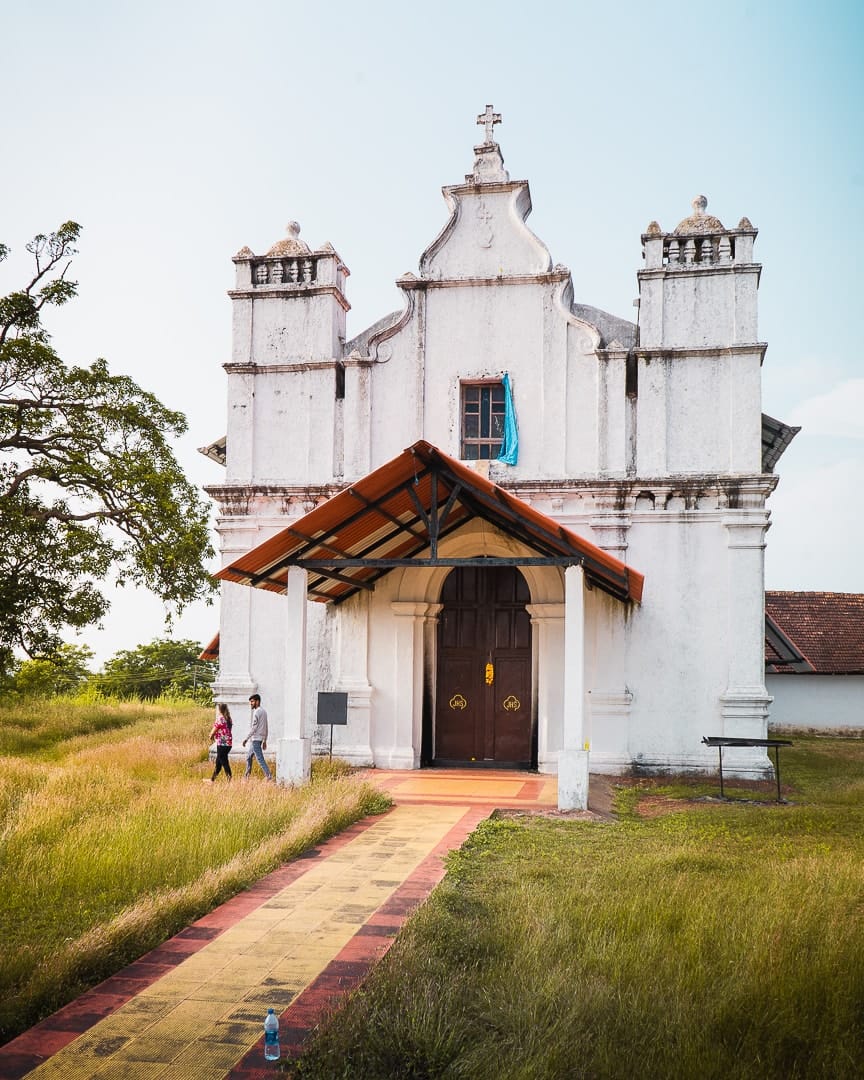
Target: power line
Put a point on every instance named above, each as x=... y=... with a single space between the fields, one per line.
x=155 y=674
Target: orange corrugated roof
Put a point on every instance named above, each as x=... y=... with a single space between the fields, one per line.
x=392 y=513
x=211 y=650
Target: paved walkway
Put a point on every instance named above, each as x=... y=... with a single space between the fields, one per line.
x=193 y=1008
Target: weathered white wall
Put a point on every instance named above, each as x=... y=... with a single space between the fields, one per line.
x=677 y=640
x=816 y=701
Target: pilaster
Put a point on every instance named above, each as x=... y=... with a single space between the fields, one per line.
x=547 y=622
x=408 y=630
x=358 y=417
x=353 y=742
x=609 y=712
x=611 y=522
x=744 y=704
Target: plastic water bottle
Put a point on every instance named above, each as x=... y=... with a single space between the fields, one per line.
x=271 y=1036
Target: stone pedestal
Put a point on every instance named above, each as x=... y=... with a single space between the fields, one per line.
x=573 y=780
x=293 y=761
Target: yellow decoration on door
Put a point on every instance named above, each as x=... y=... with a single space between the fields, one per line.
x=458 y=702
x=512 y=704
x=490 y=674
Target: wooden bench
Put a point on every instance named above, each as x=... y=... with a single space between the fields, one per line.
x=720 y=741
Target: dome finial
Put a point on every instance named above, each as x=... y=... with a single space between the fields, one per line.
x=699 y=221
x=292 y=244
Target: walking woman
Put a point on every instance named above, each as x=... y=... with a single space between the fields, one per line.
x=221 y=732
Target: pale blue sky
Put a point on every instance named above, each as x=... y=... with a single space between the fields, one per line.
x=178 y=132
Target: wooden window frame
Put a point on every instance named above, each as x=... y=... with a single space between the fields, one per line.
x=481 y=419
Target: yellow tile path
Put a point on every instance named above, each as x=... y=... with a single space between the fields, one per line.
x=202 y=1017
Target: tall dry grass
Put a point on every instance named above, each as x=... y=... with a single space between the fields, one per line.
x=110 y=842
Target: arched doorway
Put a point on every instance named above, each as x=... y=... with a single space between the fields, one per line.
x=483 y=700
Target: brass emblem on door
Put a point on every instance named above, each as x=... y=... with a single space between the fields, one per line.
x=458 y=702
x=490 y=674
x=512 y=704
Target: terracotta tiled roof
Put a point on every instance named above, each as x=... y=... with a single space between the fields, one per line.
x=824 y=629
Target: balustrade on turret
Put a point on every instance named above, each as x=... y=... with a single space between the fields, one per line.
x=289 y=271
x=708 y=249
x=699 y=241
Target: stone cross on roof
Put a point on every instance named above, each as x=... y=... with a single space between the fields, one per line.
x=488 y=119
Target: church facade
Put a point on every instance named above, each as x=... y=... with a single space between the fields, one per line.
x=508 y=528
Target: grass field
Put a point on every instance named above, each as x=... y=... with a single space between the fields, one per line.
x=712 y=940
x=110 y=842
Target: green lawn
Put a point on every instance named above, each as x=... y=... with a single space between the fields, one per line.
x=111 y=843
x=717 y=940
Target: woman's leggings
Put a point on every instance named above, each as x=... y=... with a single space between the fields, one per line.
x=222 y=762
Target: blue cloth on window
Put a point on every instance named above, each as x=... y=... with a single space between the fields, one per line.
x=510 y=446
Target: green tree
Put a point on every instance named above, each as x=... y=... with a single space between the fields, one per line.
x=64 y=672
x=163 y=666
x=88 y=481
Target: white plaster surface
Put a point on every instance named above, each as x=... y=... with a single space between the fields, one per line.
x=653 y=454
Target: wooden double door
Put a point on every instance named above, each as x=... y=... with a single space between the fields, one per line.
x=483 y=699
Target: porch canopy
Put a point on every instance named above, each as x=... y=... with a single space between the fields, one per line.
x=398 y=515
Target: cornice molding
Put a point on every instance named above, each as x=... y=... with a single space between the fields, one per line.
x=683 y=352
x=699 y=270
x=546 y=277
x=251 y=368
x=291 y=291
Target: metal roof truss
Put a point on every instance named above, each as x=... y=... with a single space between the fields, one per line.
x=402 y=535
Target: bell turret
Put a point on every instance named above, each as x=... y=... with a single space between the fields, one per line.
x=286 y=369
x=289 y=305
x=697 y=381
x=699 y=283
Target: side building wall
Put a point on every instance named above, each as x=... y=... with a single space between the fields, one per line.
x=823 y=702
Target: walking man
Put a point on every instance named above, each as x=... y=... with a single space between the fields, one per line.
x=257 y=737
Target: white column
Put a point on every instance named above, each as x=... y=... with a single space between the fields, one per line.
x=408 y=622
x=294 y=753
x=573 y=761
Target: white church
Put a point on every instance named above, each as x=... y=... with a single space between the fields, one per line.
x=500 y=527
